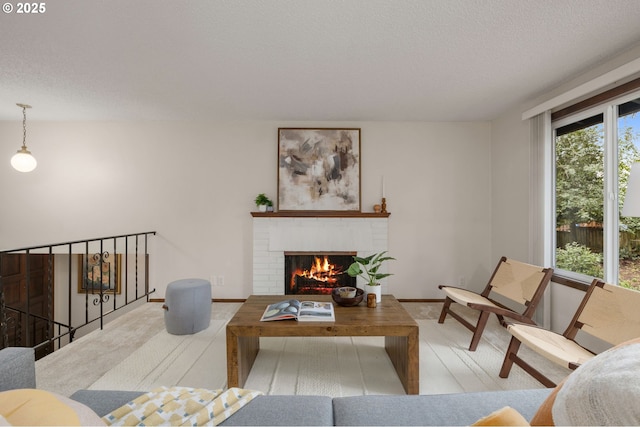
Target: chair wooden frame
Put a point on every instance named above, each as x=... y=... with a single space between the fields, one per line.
x=536 y=284
x=607 y=312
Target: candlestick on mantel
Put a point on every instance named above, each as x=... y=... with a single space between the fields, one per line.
x=384 y=205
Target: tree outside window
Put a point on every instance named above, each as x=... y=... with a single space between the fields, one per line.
x=580 y=197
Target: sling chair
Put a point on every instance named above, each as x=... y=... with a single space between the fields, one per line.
x=523 y=284
x=607 y=312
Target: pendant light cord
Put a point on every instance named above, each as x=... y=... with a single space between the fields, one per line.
x=24 y=127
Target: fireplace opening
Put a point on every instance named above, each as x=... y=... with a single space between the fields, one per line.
x=313 y=273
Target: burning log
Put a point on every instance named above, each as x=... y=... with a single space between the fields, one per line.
x=311 y=274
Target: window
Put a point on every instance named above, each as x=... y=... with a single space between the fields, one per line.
x=629 y=228
x=593 y=152
x=579 y=189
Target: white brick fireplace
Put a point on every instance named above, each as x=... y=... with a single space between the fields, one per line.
x=273 y=235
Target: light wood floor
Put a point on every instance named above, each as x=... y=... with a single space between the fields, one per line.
x=134 y=352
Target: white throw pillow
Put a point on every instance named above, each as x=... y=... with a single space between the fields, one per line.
x=603 y=391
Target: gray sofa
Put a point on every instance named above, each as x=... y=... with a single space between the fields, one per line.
x=17 y=370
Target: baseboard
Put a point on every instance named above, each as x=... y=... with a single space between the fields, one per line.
x=212 y=300
x=244 y=299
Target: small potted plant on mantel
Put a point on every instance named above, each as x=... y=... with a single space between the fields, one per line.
x=367 y=268
x=263 y=203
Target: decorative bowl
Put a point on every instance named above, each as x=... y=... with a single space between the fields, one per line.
x=347 y=302
x=347 y=292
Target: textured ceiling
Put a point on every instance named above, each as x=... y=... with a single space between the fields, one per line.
x=433 y=60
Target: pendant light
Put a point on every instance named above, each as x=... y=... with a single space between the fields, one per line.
x=23 y=161
x=631 y=207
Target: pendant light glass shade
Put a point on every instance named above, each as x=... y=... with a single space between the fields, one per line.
x=23 y=160
x=631 y=207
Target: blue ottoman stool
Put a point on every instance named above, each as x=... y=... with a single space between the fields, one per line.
x=187 y=305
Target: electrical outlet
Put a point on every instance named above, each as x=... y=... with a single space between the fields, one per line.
x=221 y=280
x=462 y=281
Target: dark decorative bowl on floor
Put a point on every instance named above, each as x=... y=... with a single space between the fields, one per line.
x=348 y=302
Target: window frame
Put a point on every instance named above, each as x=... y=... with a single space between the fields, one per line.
x=610 y=196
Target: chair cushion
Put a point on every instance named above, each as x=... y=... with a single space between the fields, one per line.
x=452 y=409
x=553 y=346
x=464 y=297
x=274 y=410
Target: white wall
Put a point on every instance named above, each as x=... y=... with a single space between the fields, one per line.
x=194 y=183
x=510 y=187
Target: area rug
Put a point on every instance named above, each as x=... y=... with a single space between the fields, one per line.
x=331 y=366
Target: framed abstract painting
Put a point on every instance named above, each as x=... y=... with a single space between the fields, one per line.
x=318 y=169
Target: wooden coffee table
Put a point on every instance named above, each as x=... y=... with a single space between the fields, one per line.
x=389 y=319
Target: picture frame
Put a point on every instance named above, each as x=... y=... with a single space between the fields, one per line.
x=90 y=275
x=319 y=169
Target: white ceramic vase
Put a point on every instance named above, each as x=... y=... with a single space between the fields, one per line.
x=377 y=290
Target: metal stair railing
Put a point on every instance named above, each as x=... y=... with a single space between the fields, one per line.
x=111 y=273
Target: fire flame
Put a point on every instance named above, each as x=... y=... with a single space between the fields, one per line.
x=321 y=270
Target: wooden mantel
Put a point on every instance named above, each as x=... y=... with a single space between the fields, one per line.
x=320 y=214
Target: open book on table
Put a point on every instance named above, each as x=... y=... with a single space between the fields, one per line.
x=303 y=311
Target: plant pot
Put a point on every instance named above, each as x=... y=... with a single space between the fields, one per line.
x=377 y=290
x=262 y=208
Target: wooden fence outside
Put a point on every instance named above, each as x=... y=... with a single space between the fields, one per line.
x=592 y=237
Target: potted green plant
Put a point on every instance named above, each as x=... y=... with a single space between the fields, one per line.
x=367 y=268
x=263 y=202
